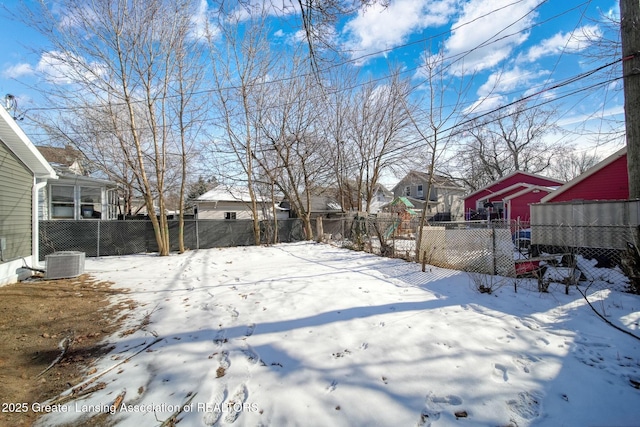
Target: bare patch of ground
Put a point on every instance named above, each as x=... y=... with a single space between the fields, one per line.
x=35 y=317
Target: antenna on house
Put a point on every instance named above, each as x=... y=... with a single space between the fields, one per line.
x=11 y=103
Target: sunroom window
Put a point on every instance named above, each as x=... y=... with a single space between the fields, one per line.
x=90 y=202
x=62 y=203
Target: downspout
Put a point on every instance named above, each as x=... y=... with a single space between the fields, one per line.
x=35 y=227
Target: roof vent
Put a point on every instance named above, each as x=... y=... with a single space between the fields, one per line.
x=64 y=264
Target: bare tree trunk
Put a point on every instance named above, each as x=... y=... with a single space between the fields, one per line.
x=630 y=34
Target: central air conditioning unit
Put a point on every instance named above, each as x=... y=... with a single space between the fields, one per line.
x=64 y=264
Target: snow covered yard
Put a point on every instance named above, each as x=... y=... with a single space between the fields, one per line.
x=308 y=334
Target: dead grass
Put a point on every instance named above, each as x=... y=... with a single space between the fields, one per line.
x=35 y=316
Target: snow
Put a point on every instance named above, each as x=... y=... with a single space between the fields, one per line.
x=314 y=335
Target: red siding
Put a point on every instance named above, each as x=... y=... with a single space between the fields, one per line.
x=470 y=203
x=520 y=205
x=609 y=183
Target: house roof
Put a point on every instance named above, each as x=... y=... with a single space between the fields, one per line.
x=69 y=176
x=533 y=175
x=438 y=180
x=18 y=142
x=324 y=204
x=524 y=188
x=63 y=156
x=383 y=189
x=228 y=194
x=528 y=189
x=586 y=174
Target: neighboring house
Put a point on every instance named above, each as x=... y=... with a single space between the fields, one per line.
x=591 y=212
x=445 y=198
x=381 y=197
x=322 y=205
x=23 y=170
x=608 y=180
x=509 y=197
x=233 y=203
x=75 y=195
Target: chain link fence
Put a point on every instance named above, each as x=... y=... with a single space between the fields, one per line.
x=543 y=257
x=103 y=238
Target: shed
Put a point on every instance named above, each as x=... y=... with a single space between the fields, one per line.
x=23 y=171
x=233 y=203
x=608 y=180
x=518 y=190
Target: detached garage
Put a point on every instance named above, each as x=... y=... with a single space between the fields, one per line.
x=23 y=171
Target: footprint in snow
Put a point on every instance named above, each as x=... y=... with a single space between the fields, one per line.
x=434 y=405
x=235 y=404
x=506 y=338
x=500 y=372
x=233 y=312
x=332 y=386
x=220 y=338
x=526 y=405
x=252 y=357
x=250 y=330
x=213 y=410
x=542 y=342
x=525 y=362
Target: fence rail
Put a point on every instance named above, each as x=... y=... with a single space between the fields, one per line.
x=495 y=248
x=103 y=238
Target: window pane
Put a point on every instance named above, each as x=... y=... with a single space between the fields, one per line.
x=62 y=193
x=91 y=202
x=90 y=195
x=62 y=210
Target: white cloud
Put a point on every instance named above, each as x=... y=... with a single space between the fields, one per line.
x=485 y=104
x=202 y=27
x=17 y=71
x=506 y=81
x=58 y=68
x=572 y=42
x=376 y=28
x=486 y=33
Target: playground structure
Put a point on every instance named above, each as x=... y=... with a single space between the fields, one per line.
x=401 y=210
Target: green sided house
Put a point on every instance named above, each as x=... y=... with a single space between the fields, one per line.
x=23 y=170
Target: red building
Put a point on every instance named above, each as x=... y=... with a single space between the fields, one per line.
x=608 y=180
x=509 y=198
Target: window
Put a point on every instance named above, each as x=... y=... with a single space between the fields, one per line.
x=112 y=204
x=407 y=190
x=433 y=196
x=62 y=203
x=420 y=192
x=81 y=202
x=229 y=215
x=90 y=202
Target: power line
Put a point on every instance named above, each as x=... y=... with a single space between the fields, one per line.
x=456 y=57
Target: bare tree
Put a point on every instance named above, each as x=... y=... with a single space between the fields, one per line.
x=433 y=117
x=122 y=57
x=293 y=146
x=572 y=164
x=505 y=141
x=378 y=129
x=241 y=63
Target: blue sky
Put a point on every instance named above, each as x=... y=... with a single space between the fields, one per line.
x=512 y=48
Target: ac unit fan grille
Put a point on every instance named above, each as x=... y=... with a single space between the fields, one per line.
x=65 y=264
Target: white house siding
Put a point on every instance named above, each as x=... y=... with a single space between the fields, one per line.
x=217 y=210
x=16 y=182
